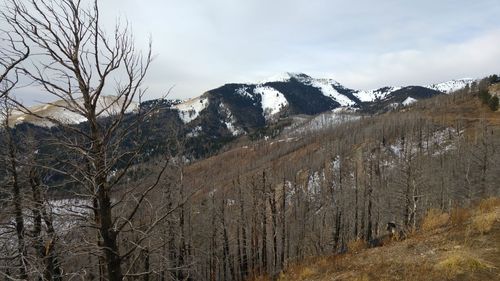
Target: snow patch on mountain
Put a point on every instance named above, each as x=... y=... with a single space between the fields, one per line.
x=272 y=100
x=327 y=120
x=194 y=132
x=372 y=95
x=451 y=86
x=190 y=109
x=230 y=120
x=243 y=91
x=62 y=112
x=325 y=85
x=408 y=101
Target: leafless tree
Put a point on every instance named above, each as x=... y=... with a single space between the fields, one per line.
x=13 y=51
x=77 y=62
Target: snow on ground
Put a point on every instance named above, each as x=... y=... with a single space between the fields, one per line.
x=194 y=132
x=325 y=85
x=233 y=129
x=243 y=91
x=371 y=95
x=437 y=143
x=320 y=122
x=408 y=101
x=272 y=101
x=58 y=110
x=190 y=109
x=230 y=120
x=451 y=86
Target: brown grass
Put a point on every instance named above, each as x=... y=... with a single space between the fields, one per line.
x=302 y=272
x=484 y=222
x=489 y=204
x=459 y=262
x=459 y=216
x=486 y=215
x=435 y=219
x=444 y=253
x=357 y=245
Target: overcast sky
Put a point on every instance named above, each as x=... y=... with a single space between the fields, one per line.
x=363 y=44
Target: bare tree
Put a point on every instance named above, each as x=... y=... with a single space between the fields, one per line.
x=13 y=51
x=77 y=62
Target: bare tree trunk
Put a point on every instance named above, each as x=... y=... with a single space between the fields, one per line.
x=16 y=201
x=274 y=215
x=244 y=257
x=264 y=223
x=283 y=226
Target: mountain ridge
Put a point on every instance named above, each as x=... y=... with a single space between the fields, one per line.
x=284 y=91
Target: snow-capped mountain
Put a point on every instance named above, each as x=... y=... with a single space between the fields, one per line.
x=451 y=86
x=256 y=110
x=59 y=110
x=236 y=109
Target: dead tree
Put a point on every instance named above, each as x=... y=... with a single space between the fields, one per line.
x=13 y=51
x=12 y=169
x=78 y=62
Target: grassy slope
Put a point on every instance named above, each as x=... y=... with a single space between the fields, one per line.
x=449 y=247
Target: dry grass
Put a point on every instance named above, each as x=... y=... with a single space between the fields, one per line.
x=363 y=277
x=487 y=215
x=489 y=204
x=484 y=222
x=298 y=273
x=459 y=262
x=459 y=216
x=260 y=278
x=440 y=253
x=435 y=219
x=357 y=245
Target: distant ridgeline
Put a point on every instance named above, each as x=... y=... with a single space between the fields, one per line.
x=201 y=126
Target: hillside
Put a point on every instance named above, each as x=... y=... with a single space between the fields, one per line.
x=260 y=205
x=462 y=245
x=219 y=116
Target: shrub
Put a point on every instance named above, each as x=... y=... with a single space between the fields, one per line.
x=435 y=219
x=484 y=222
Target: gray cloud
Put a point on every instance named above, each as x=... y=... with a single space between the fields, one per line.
x=202 y=44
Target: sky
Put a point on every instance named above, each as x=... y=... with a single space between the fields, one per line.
x=363 y=44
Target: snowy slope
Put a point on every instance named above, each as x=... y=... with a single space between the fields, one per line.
x=272 y=100
x=296 y=92
x=375 y=94
x=324 y=85
x=408 y=101
x=58 y=110
x=190 y=109
x=451 y=86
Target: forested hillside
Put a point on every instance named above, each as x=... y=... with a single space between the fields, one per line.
x=262 y=205
x=236 y=184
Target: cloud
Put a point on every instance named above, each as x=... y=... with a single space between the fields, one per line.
x=202 y=44
x=476 y=57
